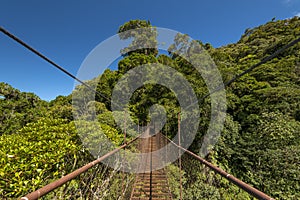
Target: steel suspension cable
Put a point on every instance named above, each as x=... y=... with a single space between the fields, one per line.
x=21 y=42
x=263 y=61
x=243 y=185
x=251 y=190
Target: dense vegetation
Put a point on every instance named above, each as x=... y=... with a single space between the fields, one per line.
x=260 y=142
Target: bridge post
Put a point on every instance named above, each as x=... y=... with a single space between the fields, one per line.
x=179 y=152
x=124 y=158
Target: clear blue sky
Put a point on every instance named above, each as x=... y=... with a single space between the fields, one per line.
x=66 y=31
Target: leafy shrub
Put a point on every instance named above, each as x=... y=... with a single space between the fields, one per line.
x=37 y=154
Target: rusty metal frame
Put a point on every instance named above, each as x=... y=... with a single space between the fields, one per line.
x=52 y=186
x=249 y=189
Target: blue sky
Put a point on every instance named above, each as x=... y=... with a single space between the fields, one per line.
x=66 y=31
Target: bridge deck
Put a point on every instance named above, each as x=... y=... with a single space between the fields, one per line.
x=150 y=184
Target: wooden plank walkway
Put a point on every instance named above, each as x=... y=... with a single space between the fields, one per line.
x=150 y=184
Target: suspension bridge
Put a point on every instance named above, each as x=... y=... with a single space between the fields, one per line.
x=150 y=182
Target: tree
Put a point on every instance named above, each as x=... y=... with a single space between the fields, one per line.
x=18 y=108
x=143 y=35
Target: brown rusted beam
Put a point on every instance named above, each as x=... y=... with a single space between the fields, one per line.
x=52 y=186
x=251 y=190
x=179 y=152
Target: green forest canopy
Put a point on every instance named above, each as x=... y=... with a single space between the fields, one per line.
x=260 y=143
